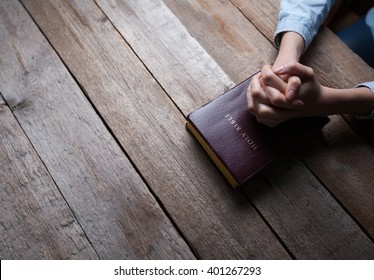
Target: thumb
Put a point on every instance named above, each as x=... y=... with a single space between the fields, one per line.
x=293 y=87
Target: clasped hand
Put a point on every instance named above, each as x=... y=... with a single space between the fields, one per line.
x=289 y=91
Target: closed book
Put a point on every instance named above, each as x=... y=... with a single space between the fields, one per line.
x=239 y=145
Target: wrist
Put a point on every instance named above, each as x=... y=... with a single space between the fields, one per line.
x=347 y=101
x=290 y=50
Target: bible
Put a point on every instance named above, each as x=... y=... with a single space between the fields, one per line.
x=238 y=145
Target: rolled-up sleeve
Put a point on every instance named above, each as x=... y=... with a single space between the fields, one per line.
x=369 y=85
x=304 y=17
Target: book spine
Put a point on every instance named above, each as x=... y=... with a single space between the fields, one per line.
x=222 y=168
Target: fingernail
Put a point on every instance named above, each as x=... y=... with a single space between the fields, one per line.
x=291 y=94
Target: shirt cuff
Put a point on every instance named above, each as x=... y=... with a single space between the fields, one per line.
x=369 y=85
x=294 y=24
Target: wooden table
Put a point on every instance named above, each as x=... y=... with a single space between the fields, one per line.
x=95 y=160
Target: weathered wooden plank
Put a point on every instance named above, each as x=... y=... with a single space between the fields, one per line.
x=306 y=216
x=345 y=164
x=344 y=69
x=217 y=222
x=179 y=61
x=263 y=15
x=221 y=30
x=219 y=18
x=35 y=221
x=363 y=128
x=189 y=70
x=120 y=216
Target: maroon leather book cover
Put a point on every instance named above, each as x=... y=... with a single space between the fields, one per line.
x=236 y=142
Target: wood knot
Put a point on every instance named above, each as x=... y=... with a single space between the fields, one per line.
x=103 y=19
x=13 y=101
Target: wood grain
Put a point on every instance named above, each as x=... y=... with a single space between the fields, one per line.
x=344 y=163
x=144 y=65
x=35 y=221
x=217 y=222
x=177 y=60
x=307 y=217
x=198 y=17
x=119 y=215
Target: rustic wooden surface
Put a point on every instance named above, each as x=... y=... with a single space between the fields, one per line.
x=36 y=222
x=96 y=161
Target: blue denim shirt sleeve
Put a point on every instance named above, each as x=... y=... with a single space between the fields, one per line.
x=302 y=16
x=369 y=85
x=306 y=17
x=369 y=20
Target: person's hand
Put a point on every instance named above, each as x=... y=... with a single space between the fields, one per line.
x=302 y=85
x=270 y=98
x=319 y=100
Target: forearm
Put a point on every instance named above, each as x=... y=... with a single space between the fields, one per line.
x=290 y=49
x=346 y=101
